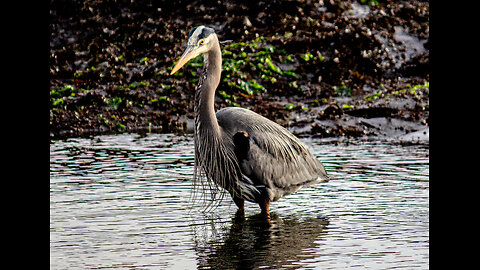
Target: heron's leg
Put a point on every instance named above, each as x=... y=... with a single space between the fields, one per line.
x=240 y=203
x=265 y=205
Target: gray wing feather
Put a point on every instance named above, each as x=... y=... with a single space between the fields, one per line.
x=277 y=159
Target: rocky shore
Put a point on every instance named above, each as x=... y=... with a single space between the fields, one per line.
x=319 y=68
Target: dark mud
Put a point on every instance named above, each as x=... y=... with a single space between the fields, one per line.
x=320 y=68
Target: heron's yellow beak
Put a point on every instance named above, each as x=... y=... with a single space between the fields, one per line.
x=189 y=53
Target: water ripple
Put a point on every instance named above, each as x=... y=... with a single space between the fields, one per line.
x=122 y=202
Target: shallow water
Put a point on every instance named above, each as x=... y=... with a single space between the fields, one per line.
x=123 y=202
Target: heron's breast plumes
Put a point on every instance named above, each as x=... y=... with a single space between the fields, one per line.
x=215 y=163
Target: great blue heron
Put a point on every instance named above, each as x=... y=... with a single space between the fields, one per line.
x=250 y=156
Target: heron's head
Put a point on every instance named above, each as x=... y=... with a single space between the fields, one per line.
x=200 y=40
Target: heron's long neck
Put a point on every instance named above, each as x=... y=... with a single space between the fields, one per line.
x=205 y=118
x=217 y=161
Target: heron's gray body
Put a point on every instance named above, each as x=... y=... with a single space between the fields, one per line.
x=277 y=163
x=250 y=156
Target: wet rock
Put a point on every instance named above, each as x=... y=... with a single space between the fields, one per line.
x=372 y=112
x=419 y=136
x=332 y=111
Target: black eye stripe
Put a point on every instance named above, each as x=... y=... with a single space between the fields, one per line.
x=203 y=34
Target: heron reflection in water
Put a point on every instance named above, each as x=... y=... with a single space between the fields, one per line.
x=250 y=156
x=254 y=243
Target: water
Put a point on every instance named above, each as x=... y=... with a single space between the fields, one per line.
x=123 y=202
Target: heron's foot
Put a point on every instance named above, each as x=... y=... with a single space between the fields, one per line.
x=265 y=206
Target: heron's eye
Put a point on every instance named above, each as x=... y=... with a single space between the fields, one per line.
x=201 y=42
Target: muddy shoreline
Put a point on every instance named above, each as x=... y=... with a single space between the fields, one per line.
x=322 y=69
